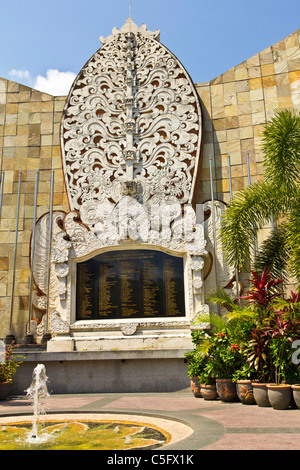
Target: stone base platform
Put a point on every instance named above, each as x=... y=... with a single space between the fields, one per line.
x=119 y=371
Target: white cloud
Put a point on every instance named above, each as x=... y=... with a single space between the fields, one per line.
x=23 y=76
x=55 y=83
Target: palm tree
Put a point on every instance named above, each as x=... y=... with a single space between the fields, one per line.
x=276 y=198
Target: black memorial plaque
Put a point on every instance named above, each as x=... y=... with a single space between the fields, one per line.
x=130 y=284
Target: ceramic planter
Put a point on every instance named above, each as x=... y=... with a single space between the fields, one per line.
x=245 y=392
x=280 y=396
x=4 y=390
x=195 y=386
x=260 y=393
x=296 y=394
x=226 y=390
x=209 y=392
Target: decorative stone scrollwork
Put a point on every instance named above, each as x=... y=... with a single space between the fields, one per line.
x=131 y=140
x=43 y=271
x=61 y=271
x=132 y=114
x=57 y=324
x=129 y=329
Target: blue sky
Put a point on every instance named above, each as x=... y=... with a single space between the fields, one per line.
x=45 y=44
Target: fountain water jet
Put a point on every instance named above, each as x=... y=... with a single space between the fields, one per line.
x=38 y=392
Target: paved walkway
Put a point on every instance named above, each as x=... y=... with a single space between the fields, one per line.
x=215 y=425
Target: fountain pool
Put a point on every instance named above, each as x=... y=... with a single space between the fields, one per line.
x=90 y=431
x=87 y=431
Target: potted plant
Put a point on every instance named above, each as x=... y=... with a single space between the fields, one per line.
x=263 y=295
x=296 y=394
x=231 y=335
x=228 y=360
x=222 y=359
x=259 y=361
x=243 y=379
x=280 y=392
x=283 y=331
x=207 y=381
x=208 y=388
x=7 y=370
x=224 y=347
x=193 y=371
x=196 y=363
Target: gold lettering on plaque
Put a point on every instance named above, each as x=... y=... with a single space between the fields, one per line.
x=84 y=291
x=150 y=289
x=107 y=281
x=123 y=284
x=171 y=303
x=128 y=269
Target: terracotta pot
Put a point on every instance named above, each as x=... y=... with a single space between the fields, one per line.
x=4 y=390
x=296 y=394
x=226 y=390
x=195 y=385
x=209 y=392
x=245 y=392
x=260 y=393
x=280 y=396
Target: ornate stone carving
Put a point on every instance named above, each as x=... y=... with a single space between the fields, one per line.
x=37 y=329
x=57 y=324
x=130 y=221
x=131 y=27
x=129 y=329
x=43 y=270
x=132 y=114
x=131 y=140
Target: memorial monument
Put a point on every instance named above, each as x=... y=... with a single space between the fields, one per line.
x=103 y=274
x=126 y=261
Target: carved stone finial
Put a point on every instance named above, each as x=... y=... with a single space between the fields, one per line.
x=131 y=27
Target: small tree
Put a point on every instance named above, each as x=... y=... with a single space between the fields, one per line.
x=275 y=198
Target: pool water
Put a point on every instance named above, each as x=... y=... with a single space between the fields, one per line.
x=81 y=435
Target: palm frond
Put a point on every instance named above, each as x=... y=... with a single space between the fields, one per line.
x=212 y=318
x=242 y=314
x=221 y=297
x=274 y=254
x=281 y=144
x=293 y=240
x=204 y=347
x=250 y=210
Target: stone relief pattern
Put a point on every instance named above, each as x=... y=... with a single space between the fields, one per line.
x=131 y=134
x=133 y=107
x=76 y=240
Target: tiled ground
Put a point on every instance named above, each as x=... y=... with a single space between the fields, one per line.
x=216 y=425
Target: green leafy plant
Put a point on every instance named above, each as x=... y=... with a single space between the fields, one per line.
x=258 y=356
x=224 y=356
x=282 y=332
x=252 y=341
x=9 y=367
x=274 y=199
x=222 y=352
x=269 y=352
x=196 y=359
